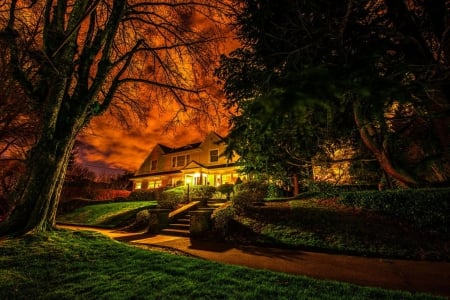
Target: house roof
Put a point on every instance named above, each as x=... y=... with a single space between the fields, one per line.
x=169 y=150
x=194 y=164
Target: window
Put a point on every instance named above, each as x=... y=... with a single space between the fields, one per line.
x=153 y=166
x=138 y=185
x=213 y=155
x=180 y=161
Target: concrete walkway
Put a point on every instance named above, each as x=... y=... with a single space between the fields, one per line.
x=413 y=276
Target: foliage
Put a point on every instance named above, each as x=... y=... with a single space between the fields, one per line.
x=145 y=195
x=325 y=225
x=221 y=219
x=108 y=194
x=226 y=189
x=74 y=265
x=114 y=215
x=323 y=188
x=312 y=73
x=425 y=208
x=77 y=59
x=246 y=194
x=258 y=187
x=201 y=191
x=274 y=191
x=242 y=201
x=171 y=198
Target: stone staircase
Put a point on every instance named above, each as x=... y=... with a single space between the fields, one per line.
x=179 y=224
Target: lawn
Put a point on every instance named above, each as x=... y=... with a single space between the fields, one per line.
x=108 y=215
x=325 y=225
x=86 y=265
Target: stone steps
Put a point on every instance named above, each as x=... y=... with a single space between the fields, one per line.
x=175 y=232
x=180 y=224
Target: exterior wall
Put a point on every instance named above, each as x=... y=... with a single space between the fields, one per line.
x=197 y=166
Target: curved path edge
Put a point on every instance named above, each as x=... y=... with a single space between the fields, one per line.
x=406 y=275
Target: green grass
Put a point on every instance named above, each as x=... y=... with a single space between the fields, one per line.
x=86 y=265
x=108 y=215
x=319 y=224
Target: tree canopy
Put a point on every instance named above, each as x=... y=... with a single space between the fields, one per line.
x=75 y=59
x=377 y=68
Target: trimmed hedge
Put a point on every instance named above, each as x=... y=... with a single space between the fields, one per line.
x=146 y=195
x=201 y=191
x=425 y=208
x=172 y=197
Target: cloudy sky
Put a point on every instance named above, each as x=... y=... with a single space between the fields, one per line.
x=107 y=147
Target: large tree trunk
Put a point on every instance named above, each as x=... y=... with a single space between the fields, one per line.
x=379 y=148
x=36 y=199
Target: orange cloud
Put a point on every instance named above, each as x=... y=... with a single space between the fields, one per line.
x=106 y=147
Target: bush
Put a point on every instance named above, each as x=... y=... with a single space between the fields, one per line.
x=202 y=191
x=145 y=195
x=258 y=188
x=221 y=219
x=171 y=198
x=246 y=194
x=242 y=201
x=425 y=208
x=226 y=189
x=108 y=194
x=323 y=188
x=274 y=191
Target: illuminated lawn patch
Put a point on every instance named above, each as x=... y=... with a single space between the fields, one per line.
x=106 y=215
x=85 y=265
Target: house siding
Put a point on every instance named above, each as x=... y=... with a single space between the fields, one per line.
x=197 y=169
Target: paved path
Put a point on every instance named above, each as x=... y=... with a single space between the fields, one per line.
x=413 y=276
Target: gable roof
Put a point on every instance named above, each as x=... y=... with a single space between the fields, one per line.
x=193 y=164
x=169 y=150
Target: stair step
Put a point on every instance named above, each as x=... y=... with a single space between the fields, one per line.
x=183 y=220
x=179 y=226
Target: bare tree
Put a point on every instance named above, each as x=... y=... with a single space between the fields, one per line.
x=83 y=57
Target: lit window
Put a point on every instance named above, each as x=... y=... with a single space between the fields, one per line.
x=213 y=155
x=153 y=166
x=138 y=186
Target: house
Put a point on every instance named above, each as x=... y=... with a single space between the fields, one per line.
x=199 y=163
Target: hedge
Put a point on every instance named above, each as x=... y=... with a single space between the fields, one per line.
x=425 y=208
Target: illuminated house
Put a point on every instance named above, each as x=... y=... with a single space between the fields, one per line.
x=197 y=164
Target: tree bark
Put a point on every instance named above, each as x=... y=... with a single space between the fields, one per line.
x=379 y=149
x=38 y=193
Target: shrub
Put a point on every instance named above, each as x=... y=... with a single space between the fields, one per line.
x=274 y=191
x=258 y=188
x=425 y=208
x=242 y=201
x=145 y=195
x=323 y=188
x=202 y=191
x=221 y=219
x=226 y=189
x=108 y=194
x=171 y=198
x=248 y=193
